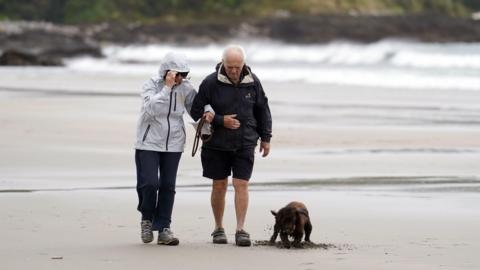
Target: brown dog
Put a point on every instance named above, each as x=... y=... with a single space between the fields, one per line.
x=292 y=220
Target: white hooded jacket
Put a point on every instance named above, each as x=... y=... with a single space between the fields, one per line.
x=160 y=126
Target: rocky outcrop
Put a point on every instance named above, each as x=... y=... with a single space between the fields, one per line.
x=18 y=58
x=135 y=33
x=46 y=43
x=297 y=29
x=433 y=28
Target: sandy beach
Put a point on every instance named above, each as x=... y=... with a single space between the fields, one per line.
x=99 y=230
x=403 y=195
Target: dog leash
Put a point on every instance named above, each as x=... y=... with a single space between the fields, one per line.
x=198 y=136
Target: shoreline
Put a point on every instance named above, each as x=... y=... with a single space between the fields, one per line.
x=388 y=184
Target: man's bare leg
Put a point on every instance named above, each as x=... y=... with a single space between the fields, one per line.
x=241 y=201
x=217 y=200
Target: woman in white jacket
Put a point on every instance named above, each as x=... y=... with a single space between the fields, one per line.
x=159 y=145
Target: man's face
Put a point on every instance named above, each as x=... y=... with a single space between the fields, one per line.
x=233 y=64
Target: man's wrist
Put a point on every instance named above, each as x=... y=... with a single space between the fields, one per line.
x=208 y=108
x=218 y=120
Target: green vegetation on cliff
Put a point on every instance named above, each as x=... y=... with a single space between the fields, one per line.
x=88 y=11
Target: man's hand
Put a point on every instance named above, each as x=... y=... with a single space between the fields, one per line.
x=170 y=78
x=230 y=122
x=208 y=116
x=265 y=147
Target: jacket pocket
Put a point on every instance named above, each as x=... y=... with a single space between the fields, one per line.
x=146 y=133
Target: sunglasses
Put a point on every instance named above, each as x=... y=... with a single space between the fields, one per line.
x=182 y=74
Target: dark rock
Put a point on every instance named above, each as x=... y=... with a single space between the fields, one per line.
x=46 y=40
x=200 y=33
x=18 y=58
x=428 y=28
x=51 y=44
x=295 y=29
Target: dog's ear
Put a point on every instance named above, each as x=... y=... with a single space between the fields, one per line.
x=273 y=213
x=301 y=212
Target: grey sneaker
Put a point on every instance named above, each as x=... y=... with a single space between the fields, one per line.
x=242 y=239
x=166 y=237
x=146 y=231
x=219 y=236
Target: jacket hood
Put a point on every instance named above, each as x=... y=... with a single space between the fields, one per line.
x=173 y=61
x=245 y=78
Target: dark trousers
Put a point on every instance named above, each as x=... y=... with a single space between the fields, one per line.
x=156 y=176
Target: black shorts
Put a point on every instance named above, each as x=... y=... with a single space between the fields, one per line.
x=218 y=164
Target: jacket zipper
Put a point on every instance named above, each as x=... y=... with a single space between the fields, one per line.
x=146 y=132
x=168 y=120
x=175 y=103
x=240 y=94
x=185 y=135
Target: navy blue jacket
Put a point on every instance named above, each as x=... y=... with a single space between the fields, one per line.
x=247 y=100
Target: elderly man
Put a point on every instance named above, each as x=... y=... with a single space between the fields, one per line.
x=242 y=116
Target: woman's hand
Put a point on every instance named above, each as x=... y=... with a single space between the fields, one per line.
x=208 y=117
x=170 y=78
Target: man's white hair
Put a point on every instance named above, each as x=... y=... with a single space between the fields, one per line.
x=234 y=48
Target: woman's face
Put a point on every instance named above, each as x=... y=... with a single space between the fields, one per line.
x=178 y=79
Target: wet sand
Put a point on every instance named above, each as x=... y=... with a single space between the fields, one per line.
x=78 y=131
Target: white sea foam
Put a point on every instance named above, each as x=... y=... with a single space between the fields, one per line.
x=422 y=55
x=389 y=64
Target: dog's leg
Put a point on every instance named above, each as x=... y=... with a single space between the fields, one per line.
x=297 y=239
x=308 y=231
x=285 y=241
x=276 y=229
